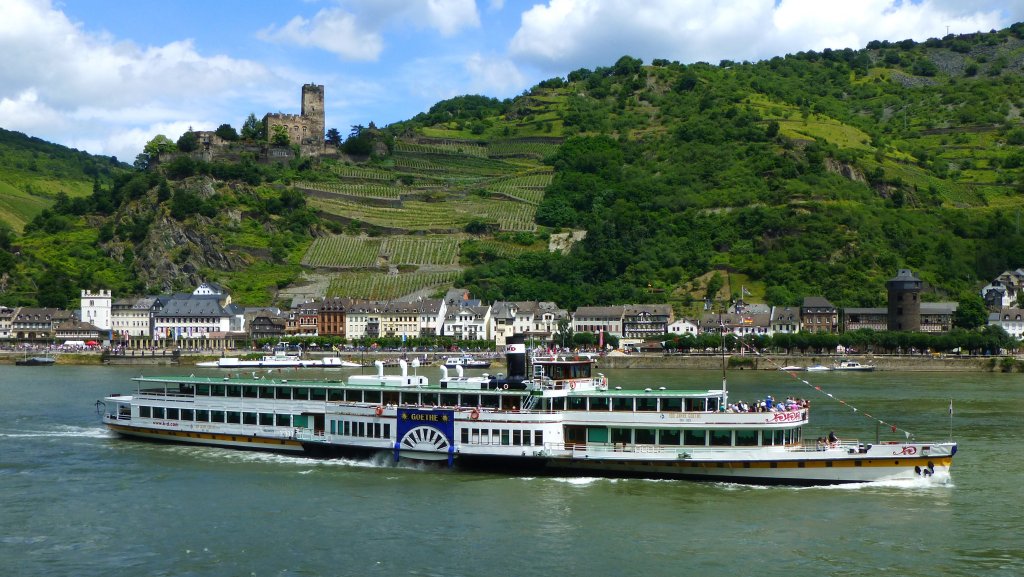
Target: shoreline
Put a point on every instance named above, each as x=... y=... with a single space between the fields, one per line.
x=916 y=363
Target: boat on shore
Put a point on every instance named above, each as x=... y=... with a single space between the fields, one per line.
x=818 y=368
x=554 y=417
x=466 y=362
x=853 y=366
x=792 y=368
x=283 y=356
x=35 y=361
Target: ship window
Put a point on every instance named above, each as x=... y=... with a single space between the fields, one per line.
x=647 y=403
x=355 y=396
x=187 y=415
x=485 y=437
x=469 y=400
x=362 y=429
x=387 y=430
x=622 y=436
x=746 y=438
x=449 y=400
x=644 y=436
x=233 y=417
x=283 y=420
x=558 y=404
x=495 y=437
x=465 y=436
x=476 y=436
x=318 y=394
x=538 y=438
x=489 y=401
x=267 y=419
x=202 y=415
x=300 y=394
x=517 y=438
x=332 y=426
x=674 y=405
x=526 y=438
x=203 y=390
x=577 y=403
x=158 y=412
x=145 y=412
x=622 y=404
x=217 y=390
x=429 y=399
x=347 y=428
x=721 y=438
x=696 y=404
x=695 y=437
x=668 y=437
x=234 y=390
x=335 y=394
x=249 y=418
x=266 y=392
x=410 y=398
x=371 y=397
x=376 y=430
x=779 y=437
x=504 y=436
x=216 y=416
x=599 y=403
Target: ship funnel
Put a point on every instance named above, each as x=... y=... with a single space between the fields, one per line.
x=444 y=373
x=515 y=356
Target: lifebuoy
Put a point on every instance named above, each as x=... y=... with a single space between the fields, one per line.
x=379 y=410
x=474 y=414
x=505 y=386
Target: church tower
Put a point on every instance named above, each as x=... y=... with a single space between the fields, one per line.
x=313 y=112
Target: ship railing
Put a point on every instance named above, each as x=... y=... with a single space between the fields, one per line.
x=807 y=446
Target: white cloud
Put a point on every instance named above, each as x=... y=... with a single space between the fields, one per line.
x=564 y=34
x=493 y=75
x=63 y=83
x=451 y=16
x=333 y=30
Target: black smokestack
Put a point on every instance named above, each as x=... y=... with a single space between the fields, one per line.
x=515 y=357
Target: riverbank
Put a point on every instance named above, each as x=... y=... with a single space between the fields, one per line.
x=914 y=363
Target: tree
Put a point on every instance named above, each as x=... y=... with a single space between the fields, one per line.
x=227 y=132
x=188 y=141
x=970 y=313
x=252 y=129
x=280 y=136
x=333 y=137
x=159 y=144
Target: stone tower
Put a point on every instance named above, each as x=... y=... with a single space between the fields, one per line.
x=313 y=112
x=904 y=301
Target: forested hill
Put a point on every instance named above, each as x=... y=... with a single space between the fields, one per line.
x=817 y=173
x=814 y=173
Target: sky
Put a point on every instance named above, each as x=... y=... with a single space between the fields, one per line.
x=106 y=76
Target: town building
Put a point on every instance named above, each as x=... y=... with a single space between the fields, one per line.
x=598 y=319
x=537 y=320
x=785 y=320
x=818 y=315
x=467 y=322
x=96 y=309
x=644 y=322
x=855 y=318
x=1004 y=291
x=1010 y=319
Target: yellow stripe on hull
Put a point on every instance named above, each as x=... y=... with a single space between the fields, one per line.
x=214 y=439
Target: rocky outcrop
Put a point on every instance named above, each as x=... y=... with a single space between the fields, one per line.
x=845 y=170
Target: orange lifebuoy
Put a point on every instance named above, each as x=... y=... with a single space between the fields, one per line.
x=475 y=414
x=379 y=410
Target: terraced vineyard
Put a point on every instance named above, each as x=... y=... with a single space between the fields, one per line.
x=387 y=286
x=340 y=251
x=443 y=147
x=421 y=250
x=353 y=189
x=350 y=171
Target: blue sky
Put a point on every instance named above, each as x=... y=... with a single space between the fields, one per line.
x=106 y=75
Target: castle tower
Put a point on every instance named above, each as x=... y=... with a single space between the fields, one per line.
x=96 y=308
x=313 y=113
x=904 y=301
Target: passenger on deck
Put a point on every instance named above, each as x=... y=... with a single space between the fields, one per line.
x=833 y=440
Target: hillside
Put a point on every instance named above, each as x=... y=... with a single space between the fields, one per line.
x=33 y=172
x=813 y=173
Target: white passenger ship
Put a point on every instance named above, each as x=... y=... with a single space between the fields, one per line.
x=282 y=357
x=561 y=418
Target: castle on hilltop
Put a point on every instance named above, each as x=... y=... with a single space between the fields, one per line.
x=306 y=128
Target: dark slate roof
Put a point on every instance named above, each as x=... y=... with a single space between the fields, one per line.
x=193 y=306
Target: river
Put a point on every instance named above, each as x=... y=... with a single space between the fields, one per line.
x=75 y=500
